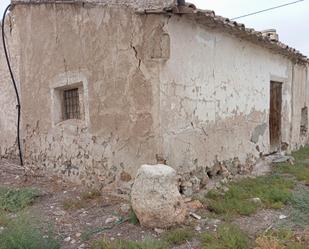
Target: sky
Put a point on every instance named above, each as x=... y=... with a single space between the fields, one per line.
x=291 y=22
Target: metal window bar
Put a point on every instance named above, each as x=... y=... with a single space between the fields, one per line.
x=71 y=104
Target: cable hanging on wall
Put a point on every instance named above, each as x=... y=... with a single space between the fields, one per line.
x=18 y=106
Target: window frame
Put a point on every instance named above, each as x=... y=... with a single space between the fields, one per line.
x=57 y=86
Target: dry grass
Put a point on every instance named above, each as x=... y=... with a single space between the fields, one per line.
x=82 y=200
x=279 y=239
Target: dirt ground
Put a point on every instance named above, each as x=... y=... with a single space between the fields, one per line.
x=71 y=225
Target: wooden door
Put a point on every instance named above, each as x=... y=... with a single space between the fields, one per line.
x=275 y=115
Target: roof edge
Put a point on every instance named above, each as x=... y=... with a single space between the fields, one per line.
x=204 y=17
x=213 y=21
x=137 y=4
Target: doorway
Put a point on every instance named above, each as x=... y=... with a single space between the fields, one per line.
x=275 y=115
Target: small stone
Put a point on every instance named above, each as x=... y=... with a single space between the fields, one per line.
x=224 y=181
x=186 y=184
x=204 y=181
x=111 y=220
x=67 y=239
x=187 y=191
x=187 y=199
x=73 y=241
x=211 y=222
x=78 y=235
x=196 y=183
x=256 y=200
x=281 y=217
x=195 y=216
x=125 y=177
x=194 y=205
x=81 y=246
x=225 y=189
x=198 y=228
x=59 y=213
x=224 y=172
x=125 y=208
x=158 y=230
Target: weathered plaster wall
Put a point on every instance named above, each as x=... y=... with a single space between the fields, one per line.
x=299 y=99
x=215 y=96
x=110 y=50
x=154 y=89
x=137 y=4
x=8 y=113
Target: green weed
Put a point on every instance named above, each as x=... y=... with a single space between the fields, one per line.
x=14 y=200
x=301 y=154
x=300 y=204
x=133 y=218
x=178 y=236
x=274 y=192
x=124 y=244
x=301 y=168
x=21 y=233
x=227 y=237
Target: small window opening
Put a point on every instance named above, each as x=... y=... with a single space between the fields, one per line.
x=304 y=121
x=71 y=108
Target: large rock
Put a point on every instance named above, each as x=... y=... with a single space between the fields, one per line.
x=155 y=198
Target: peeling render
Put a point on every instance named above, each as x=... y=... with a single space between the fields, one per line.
x=116 y=59
x=258 y=131
x=215 y=96
x=154 y=88
x=8 y=112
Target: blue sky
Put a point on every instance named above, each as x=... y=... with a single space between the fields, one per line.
x=291 y=22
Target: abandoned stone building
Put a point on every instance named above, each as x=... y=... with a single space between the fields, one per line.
x=109 y=85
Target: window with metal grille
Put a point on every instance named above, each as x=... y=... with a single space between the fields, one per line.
x=71 y=104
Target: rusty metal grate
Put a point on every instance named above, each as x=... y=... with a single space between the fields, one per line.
x=71 y=104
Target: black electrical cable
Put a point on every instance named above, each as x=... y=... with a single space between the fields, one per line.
x=15 y=87
x=261 y=11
